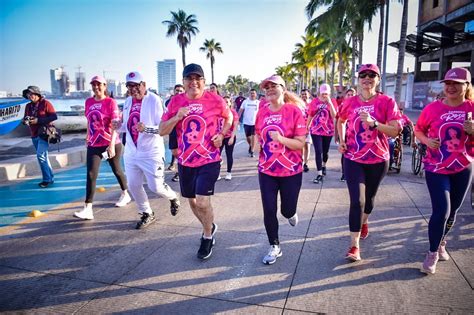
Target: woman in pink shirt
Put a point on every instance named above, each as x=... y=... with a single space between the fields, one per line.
x=365 y=122
x=102 y=142
x=280 y=132
x=446 y=127
x=321 y=114
x=229 y=138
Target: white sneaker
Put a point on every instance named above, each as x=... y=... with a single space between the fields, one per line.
x=219 y=178
x=293 y=220
x=228 y=176
x=86 y=214
x=124 y=199
x=273 y=254
x=442 y=253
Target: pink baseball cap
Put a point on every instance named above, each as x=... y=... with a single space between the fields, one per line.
x=461 y=75
x=324 y=89
x=99 y=79
x=274 y=79
x=369 y=67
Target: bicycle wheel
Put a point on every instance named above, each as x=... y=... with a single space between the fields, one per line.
x=416 y=161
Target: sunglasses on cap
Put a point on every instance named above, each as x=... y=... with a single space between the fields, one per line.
x=369 y=74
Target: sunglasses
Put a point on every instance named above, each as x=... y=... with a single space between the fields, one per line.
x=367 y=74
x=132 y=85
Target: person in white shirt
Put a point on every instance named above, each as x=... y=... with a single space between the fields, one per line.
x=144 y=149
x=249 y=111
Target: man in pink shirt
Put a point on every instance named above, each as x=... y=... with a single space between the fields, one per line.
x=195 y=114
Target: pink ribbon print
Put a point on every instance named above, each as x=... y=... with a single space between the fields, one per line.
x=193 y=136
x=453 y=145
x=320 y=121
x=274 y=151
x=365 y=141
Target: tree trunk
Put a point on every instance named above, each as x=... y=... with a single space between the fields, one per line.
x=360 y=41
x=401 y=52
x=212 y=71
x=380 y=44
x=354 y=51
x=333 y=71
x=341 y=71
x=183 y=54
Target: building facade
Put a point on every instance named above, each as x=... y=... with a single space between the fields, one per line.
x=166 y=76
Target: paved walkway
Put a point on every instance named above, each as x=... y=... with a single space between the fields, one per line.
x=58 y=264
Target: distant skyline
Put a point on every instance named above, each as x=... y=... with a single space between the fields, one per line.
x=112 y=38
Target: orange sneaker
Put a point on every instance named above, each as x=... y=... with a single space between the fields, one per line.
x=364 y=231
x=353 y=254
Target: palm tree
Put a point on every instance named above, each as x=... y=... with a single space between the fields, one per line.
x=401 y=52
x=184 y=26
x=381 y=32
x=211 y=46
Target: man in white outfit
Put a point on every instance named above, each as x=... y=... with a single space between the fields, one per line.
x=248 y=111
x=144 y=148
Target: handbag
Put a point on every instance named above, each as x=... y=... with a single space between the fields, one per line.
x=50 y=133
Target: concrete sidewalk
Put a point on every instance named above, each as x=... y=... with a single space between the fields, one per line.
x=58 y=264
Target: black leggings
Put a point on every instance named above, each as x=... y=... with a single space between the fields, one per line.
x=289 y=188
x=321 y=149
x=447 y=194
x=229 y=152
x=94 y=157
x=363 y=181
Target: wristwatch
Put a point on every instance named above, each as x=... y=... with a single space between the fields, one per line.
x=376 y=125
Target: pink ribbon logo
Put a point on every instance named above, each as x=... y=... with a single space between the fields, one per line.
x=275 y=151
x=194 y=132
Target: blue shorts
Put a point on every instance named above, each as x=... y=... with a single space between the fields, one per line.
x=249 y=130
x=173 y=140
x=198 y=180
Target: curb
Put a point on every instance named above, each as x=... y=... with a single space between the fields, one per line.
x=28 y=165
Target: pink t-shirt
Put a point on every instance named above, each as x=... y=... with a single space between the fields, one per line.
x=99 y=116
x=276 y=159
x=195 y=131
x=364 y=145
x=231 y=129
x=404 y=121
x=322 y=123
x=134 y=119
x=438 y=120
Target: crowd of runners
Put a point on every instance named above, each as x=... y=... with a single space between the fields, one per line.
x=280 y=128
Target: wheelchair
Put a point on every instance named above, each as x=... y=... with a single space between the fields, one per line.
x=407 y=134
x=396 y=164
x=419 y=151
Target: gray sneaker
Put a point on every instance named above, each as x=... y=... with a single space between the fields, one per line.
x=145 y=220
x=273 y=254
x=293 y=220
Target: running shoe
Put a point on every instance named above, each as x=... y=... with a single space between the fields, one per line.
x=293 y=220
x=213 y=232
x=273 y=254
x=228 y=176
x=44 y=184
x=205 y=250
x=429 y=265
x=175 y=177
x=219 y=178
x=324 y=170
x=174 y=206
x=364 y=231
x=318 y=179
x=124 y=200
x=442 y=253
x=305 y=168
x=85 y=214
x=145 y=220
x=251 y=154
x=353 y=254
x=343 y=178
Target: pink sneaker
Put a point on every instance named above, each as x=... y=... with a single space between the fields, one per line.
x=364 y=231
x=442 y=253
x=429 y=265
x=353 y=254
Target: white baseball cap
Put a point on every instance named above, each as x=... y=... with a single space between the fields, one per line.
x=134 y=77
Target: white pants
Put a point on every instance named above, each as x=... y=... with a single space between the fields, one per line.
x=153 y=170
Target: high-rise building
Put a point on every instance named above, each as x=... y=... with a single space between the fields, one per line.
x=80 y=81
x=166 y=75
x=55 y=75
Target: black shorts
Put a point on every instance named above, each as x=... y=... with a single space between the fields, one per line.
x=249 y=130
x=173 y=140
x=198 y=180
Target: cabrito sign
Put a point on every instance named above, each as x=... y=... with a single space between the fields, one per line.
x=11 y=114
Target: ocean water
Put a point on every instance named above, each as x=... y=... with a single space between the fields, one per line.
x=62 y=105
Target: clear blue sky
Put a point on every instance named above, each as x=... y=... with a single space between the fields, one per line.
x=123 y=35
